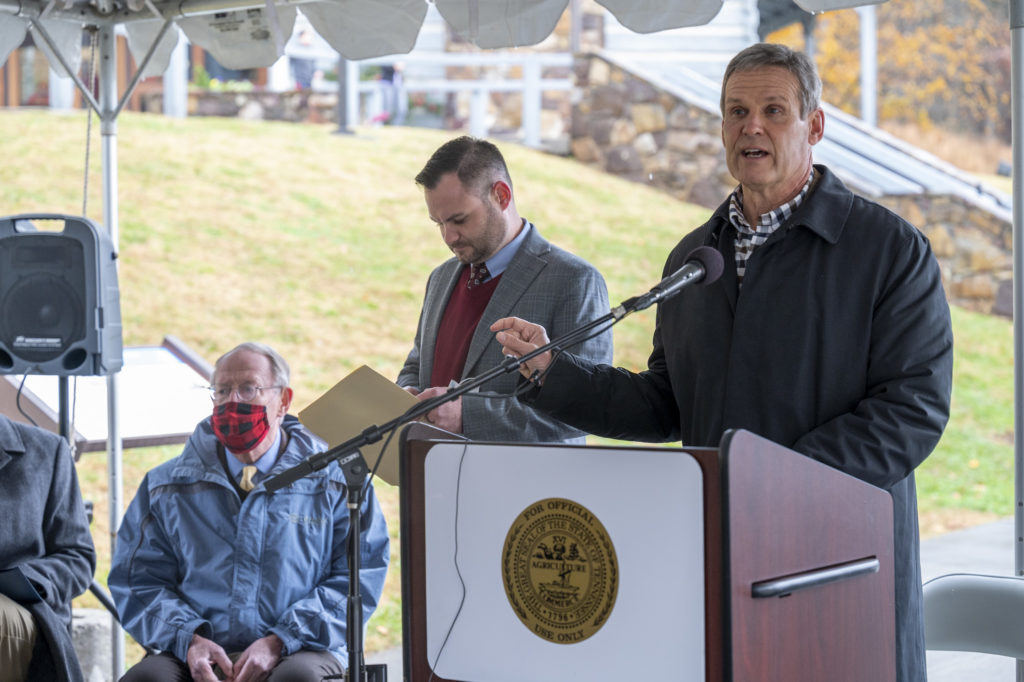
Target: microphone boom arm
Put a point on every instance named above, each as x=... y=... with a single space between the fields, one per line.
x=373 y=434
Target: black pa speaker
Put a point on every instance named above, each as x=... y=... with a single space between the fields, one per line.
x=60 y=309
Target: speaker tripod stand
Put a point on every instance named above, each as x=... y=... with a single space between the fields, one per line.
x=67 y=433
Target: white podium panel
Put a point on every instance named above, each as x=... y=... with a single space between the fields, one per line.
x=473 y=496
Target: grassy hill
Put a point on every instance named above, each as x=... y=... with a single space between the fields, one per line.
x=320 y=245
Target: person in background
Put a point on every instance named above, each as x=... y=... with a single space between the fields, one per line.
x=220 y=575
x=394 y=100
x=303 y=64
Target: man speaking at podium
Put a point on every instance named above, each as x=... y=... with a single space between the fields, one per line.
x=828 y=331
x=502 y=267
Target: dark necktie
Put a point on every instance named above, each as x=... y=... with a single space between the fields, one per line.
x=477 y=274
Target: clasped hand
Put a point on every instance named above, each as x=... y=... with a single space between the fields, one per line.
x=254 y=665
x=519 y=337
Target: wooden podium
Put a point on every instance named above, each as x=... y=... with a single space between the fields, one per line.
x=746 y=562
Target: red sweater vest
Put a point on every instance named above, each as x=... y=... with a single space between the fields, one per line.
x=461 y=316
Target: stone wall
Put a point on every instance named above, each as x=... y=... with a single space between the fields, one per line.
x=90 y=635
x=294 y=105
x=629 y=128
x=504 y=109
x=974 y=249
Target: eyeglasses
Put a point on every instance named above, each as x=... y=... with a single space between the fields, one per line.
x=246 y=392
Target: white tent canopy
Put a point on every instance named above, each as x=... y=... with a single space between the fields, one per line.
x=250 y=33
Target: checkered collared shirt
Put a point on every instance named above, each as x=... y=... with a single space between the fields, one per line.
x=747 y=237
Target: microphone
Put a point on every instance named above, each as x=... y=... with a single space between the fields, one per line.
x=703 y=265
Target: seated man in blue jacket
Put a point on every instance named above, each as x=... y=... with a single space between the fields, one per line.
x=222 y=576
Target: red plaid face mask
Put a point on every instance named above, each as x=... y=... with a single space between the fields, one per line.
x=240 y=426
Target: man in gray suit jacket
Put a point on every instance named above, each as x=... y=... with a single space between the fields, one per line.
x=502 y=267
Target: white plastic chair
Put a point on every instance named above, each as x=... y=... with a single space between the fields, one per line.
x=971 y=612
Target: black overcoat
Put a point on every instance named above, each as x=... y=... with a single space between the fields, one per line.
x=839 y=346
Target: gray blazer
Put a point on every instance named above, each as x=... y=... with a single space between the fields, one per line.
x=542 y=284
x=46 y=534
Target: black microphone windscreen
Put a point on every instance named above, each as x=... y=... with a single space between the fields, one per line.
x=710 y=259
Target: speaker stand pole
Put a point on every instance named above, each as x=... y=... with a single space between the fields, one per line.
x=64 y=408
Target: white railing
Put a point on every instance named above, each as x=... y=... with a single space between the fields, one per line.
x=532 y=85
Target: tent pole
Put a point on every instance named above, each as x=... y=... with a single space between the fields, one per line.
x=1017 y=119
x=108 y=132
x=868 y=64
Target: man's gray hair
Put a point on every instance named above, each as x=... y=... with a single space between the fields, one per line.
x=278 y=366
x=797 y=63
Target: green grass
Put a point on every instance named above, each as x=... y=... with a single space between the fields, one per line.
x=972 y=468
x=320 y=245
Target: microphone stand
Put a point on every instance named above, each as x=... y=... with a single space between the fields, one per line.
x=354 y=466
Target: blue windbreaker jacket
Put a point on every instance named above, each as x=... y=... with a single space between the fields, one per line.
x=192 y=557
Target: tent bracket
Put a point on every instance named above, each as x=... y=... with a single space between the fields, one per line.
x=142 y=67
x=86 y=93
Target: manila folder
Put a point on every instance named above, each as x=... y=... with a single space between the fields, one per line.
x=363 y=399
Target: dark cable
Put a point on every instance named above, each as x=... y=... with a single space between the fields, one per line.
x=17 y=401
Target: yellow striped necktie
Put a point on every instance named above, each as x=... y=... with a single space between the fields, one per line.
x=247 y=483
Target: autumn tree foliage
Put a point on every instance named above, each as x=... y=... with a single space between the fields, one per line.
x=943 y=63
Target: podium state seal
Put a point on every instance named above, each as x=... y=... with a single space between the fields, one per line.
x=560 y=571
